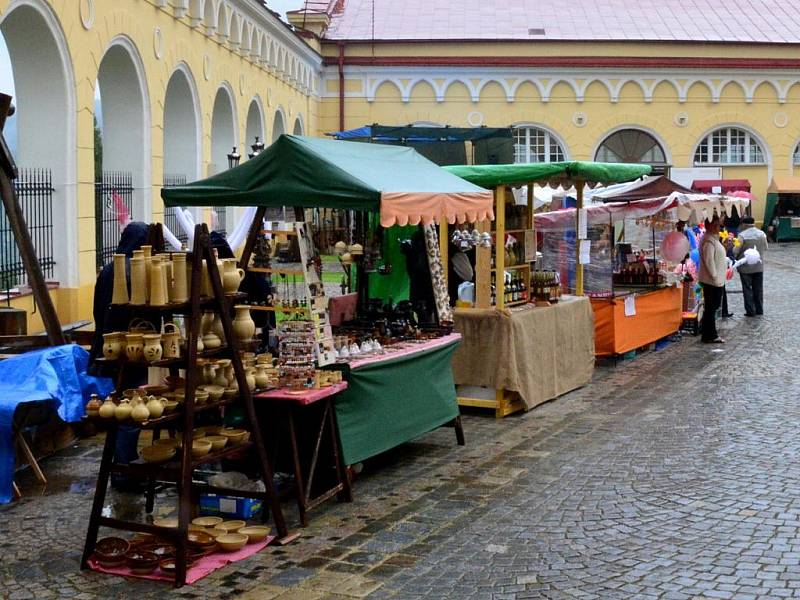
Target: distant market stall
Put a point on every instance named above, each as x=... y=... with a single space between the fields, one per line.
x=782 y=213
x=635 y=299
x=523 y=341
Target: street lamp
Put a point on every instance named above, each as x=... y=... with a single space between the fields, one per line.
x=233 y=158
x=257 y=147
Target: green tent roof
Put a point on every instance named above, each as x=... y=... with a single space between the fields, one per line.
x=315 y=172
x=490 y=176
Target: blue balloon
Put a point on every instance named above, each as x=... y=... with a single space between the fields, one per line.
x=695 y=256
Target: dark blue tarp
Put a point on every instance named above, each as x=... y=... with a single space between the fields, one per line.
x=418 y=134
x=56 y=374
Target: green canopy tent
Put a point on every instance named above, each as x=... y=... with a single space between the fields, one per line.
x=576 y=173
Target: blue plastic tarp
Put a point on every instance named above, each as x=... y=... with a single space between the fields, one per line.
x=55 y=374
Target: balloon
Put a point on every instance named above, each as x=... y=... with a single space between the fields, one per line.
x=675 y=247
x=695 y=256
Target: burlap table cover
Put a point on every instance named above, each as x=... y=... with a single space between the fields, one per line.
x=540 y=353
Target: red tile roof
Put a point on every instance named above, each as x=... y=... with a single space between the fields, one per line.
x=747 y=21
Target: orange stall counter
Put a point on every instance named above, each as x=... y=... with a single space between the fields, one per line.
x=658 y=314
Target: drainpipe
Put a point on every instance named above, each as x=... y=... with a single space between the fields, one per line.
x=341 y=86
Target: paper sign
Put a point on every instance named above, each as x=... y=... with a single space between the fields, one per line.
x=530 y=245
x=585 y=248
x=630 y=306
x=582 y=223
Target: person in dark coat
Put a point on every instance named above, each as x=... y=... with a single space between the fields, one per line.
x=108 y=318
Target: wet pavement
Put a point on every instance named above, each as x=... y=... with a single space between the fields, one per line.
x=673 y=476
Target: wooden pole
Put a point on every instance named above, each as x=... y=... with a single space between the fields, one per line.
x=578 y=266
x=16 y=222
x=500 y=245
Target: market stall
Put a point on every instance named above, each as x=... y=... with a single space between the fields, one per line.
x=376 y=412
x=636 y=298
x=782 y=215
x=524 y=342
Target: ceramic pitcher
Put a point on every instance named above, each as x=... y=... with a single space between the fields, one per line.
x=232 y=276
x=138 y=280
x=120 y=295
x=179 y=292
x=243 y=326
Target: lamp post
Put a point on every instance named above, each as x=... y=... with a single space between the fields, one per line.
x=233 y=158
x=257 y=148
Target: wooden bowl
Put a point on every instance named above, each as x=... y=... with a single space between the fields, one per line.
x=231 y=526
x=231 y=542
x=207 y=521
x=218 y=442
x=235 y=436
x=160 y=549
x=255 y=533
x=200 y=448
x=157 y=454
x=112 y=549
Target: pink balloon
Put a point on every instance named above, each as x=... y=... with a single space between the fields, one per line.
x=675 y=247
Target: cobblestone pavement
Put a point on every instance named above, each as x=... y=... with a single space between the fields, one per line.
x=671 y=476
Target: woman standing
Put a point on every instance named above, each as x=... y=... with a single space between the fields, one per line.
x=713 y=267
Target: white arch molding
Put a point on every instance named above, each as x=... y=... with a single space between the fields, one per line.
x=182 y=125
x=125 y=105
x=44 y=83
x=656 y=136
x=224 y=129
x=278 y=124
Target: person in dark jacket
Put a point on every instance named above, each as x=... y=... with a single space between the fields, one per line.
x=108 y=318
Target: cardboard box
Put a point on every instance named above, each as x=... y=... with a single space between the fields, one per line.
x=230 y=506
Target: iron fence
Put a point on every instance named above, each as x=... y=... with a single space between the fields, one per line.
x=34 y=189
x=170 y=220
x=113 y=197
x=222 y=219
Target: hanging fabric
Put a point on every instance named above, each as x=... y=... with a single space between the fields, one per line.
x=440 y=295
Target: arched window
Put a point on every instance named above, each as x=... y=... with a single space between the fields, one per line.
x=631 y=146
x=534 y=145
x=796 y=156
x=729 y=145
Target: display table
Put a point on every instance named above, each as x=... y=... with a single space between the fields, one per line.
x=658 y=314
x=525 y=356
x=395 y=397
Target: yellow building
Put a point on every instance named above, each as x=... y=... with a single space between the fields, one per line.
x=709 y=90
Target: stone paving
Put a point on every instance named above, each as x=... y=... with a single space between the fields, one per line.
x=670 y=476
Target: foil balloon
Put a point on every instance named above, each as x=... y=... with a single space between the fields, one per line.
x=675 y=247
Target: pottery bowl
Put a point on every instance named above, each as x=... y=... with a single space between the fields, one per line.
x=231 y=526
x=230 y=393
x=200 y=396
x=168 y=442
x=235 y=436
x=218 y=442
x=174 y=382
x=157 y=454
x=200 y=448
x=171 y=522
x=199 y=539
x=255 y=534
x=207 y=521
x=112 y=549
x=141 y=562
x=154 y=389
x=214 y=391
x=231 y=542
x=170 y=406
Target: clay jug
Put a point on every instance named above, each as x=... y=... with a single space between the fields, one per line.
x=262 y=379
x=123 y=410
x=155 y=407
x=158 y=292
x=139 y=411
x=171 y=341
x=250 y=377
x=179 y=292
x=107 y=409
x=120 y=295
x=232 y=276
x=243 y=326
x=211 y=341
x=138 y=280
x=151 y=347
x=134 y=346
x=93 y=406
x=113 y=344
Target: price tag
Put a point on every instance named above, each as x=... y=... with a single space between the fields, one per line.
x=630 y=306
x=585 y=252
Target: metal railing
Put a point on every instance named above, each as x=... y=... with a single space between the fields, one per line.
x=170 y=220
x=113 y=197
x=221 y=224
x=34 y=189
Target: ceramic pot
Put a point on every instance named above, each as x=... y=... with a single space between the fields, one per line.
x=262 y=379
x=155 y=407
x=206 y=321
x=107 y=409
x=208 y=373
x=243 y=326
x=211 y=341
x=151 y=347
x=134 y=346
x=231 y=377
x=120 y=295
x=93 y=406
x=232 y=276
x=113 y=344
x=139 y=412
x=123 y=410
x=250 y=376
x=179 y=291
x=138 y=280
x=219 y=378
x=166 y=274
x=158 y=291
x=171 y=341
x=216 y=327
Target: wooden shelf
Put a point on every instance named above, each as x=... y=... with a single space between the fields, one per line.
x=515 y=303
x=171 y=470
x=282 y=309
x=279 y=231
x=183 y=306
x=512 y=268
x=277 y=271
x=162 y=421
x=169 y=362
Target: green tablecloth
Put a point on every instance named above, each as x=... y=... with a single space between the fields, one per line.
x=396 y=400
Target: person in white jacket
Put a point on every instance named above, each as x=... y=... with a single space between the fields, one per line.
x=713 y=271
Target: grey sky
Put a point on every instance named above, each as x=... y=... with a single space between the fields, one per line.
x=281 y=6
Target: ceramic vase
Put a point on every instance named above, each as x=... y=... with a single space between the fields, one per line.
x=120 y=295
x=147 y=252
x=250 y=377
x=151 y=347
x=232 y=276
x=262 y=379
x=179 y=291
x=138 y=280
x=107 y=409
x=243 y=326
x=219 y=377
x=93 y=406
x=158 y=292
x=206 y=321
x=134 y=346
x=216 y=327
x=113 y=344
x=208 y=373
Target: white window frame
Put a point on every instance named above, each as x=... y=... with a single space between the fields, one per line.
x=707 y=153
x=549 y=141
x=796 y=156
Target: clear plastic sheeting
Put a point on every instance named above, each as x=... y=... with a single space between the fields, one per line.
x=560 y=254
